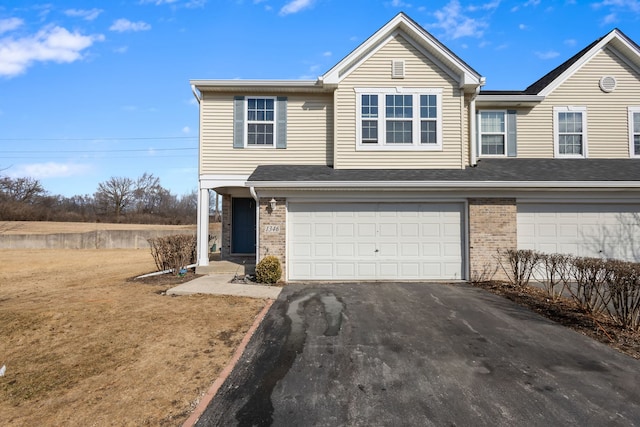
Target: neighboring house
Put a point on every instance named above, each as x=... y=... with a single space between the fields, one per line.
x=395 y=165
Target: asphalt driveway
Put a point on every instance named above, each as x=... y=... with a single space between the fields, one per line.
x=389 y=354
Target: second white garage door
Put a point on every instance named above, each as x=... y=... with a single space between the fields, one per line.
x=375 y=241
x=593 y=230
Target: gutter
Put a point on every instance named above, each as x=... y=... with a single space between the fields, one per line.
x=252 y=190
x=472 y=113
x=195 y=93
x=443 y=184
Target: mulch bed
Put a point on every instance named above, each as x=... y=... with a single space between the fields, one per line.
x=567 y=313
x=168 y=279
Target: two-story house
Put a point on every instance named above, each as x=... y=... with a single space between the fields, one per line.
x=396 y=165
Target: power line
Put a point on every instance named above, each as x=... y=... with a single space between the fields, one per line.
x=99 y=139
x=101 y=151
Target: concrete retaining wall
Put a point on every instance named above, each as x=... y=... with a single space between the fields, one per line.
x=100 y=239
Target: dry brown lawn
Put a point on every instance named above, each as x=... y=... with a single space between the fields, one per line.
x=85 y=346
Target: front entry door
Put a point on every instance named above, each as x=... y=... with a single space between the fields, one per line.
x=243 y=226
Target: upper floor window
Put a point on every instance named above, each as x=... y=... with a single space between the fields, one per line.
x=634 y=131
x=399 y=119
x=260 y=121
x=570 y=128
x=492 y=129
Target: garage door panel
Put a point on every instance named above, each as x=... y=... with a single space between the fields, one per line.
x=345 y=249
x=366 y=230
x=375 y=241
x=594 y=230
x=388 y=230
x=430 y=230
x=345 y=230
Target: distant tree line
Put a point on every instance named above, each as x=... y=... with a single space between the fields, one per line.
x=118 y=199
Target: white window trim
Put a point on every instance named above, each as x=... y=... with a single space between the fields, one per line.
x=556 y=138
x=632 y=110
x=381 y=145
x=247 y=122
x=505 y=133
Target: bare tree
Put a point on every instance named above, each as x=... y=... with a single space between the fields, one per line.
x=22 y=190
x=114 y=196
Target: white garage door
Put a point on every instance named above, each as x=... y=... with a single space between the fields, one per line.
x=594 y=230
x=375 y=241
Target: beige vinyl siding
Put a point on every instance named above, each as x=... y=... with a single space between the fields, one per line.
x=420 y=72
x=309 y=135
x=607 y=127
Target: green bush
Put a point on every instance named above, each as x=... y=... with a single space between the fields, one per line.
x=268 y=270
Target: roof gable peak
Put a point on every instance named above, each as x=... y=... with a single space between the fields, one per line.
x=402 y=24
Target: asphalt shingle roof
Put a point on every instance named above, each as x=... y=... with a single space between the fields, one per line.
x=504 y=170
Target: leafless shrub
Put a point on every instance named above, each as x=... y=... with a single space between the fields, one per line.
x=622 y=288
x=557 y=270
x=518 y=265
x=590 y=275
x=173 y=252
x=485 y=274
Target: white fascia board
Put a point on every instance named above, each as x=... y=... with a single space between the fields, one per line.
x=586 y=58
x=264 y=85
x=216 y=181
x=445 y=184
x=509 y=100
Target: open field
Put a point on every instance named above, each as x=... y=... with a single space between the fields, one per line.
x=84 y=346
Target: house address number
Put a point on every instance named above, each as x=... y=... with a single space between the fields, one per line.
x=271 y=228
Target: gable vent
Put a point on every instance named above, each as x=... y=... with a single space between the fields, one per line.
x=397 y=69
x=608 y=84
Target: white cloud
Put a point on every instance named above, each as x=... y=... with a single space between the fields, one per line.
x=327 y=53
x=570 y=42
x=455 y=24
x=10 y=24
x=485 y=6
x=186 y=129
x=295 y=6
x=610 y=18
x=124 y=25
x=190 y=4
x=122 y=49
x=632 y=5
x=86 y=14
x=158 y=2
x=49 y=170
x=522 y=27
x=52 y=43
x=399 y=3
x=550 y=54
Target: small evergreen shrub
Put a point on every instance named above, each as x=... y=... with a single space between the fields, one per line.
x=268 y=270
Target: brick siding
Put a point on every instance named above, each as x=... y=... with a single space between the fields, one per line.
x=273 y=230
x=492 y=227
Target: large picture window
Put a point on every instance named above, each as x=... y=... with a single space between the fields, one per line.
x=399 y=119
x=570 y=127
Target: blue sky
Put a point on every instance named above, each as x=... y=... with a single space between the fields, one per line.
x=90 y=90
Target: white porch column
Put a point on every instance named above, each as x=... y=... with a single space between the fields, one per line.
x=203 y=227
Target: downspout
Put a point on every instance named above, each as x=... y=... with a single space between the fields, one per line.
x=252 y=190
x=472 y=113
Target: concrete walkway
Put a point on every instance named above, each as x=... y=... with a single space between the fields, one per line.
x=219 y=284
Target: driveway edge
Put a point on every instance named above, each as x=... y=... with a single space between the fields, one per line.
x=209 y=395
